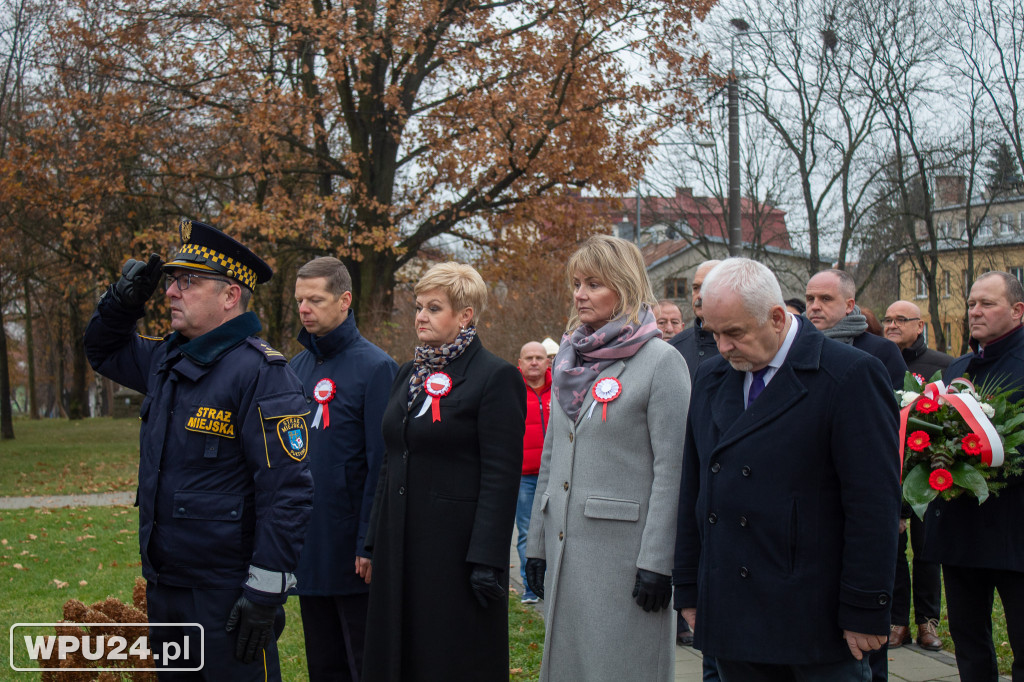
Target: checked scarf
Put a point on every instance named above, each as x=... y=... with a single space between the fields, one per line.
x=430 y=359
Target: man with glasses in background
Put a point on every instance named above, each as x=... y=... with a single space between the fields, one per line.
x=225 y=492
x=903 y=326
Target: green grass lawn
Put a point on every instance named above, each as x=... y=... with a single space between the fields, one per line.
x=61 y=457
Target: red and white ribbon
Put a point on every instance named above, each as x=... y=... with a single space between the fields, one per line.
x=967 y=407
x=323 y=393
x=437 y=385
x=604 y=391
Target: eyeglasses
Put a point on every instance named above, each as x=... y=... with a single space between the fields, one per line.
x=900 y=320
x=184 y=281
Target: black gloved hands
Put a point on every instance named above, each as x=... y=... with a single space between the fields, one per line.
x=535 y=569
x=255 y=624
x=138 y=282
x=484 y=581
x=652 y=591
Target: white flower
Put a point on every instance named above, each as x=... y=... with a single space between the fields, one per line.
x=988 y=410
x=907 y=397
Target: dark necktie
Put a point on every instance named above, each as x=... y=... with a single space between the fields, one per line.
x=756 y=385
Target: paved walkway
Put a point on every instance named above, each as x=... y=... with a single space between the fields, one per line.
x=56 y=501
x=909 y=663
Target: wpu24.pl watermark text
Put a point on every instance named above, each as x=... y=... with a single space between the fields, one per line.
x=97 y=647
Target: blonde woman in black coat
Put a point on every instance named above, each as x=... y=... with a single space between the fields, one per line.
x=445 y=506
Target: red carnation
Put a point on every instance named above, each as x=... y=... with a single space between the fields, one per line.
x=926 y=405
x=918 y=441
x=940 y=479
x=971 y=444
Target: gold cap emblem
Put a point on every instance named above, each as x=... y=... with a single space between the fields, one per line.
x=185 y=229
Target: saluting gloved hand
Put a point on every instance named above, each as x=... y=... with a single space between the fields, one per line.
x=255 y=623
x=484 y=581
x=138 y=282
x=535 y=569
x=652 y=591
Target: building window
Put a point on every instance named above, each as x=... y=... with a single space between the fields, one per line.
x=945 y=283
x=1017 y=272
x=947 y=331
x=944 y=228
x=961 y=227
x=985 y=229
x=1006 y=225
x=922 y=286
x=675 y=287
x=967 y=285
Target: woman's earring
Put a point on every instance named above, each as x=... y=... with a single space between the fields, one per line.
x=462 y=327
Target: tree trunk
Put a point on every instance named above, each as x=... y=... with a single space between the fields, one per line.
x=30 y=354
x=78 y=399
x=372 y=293
x=6 y=421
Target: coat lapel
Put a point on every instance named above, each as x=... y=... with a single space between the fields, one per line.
x=782 y=392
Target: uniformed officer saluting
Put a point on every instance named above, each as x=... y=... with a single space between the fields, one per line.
x=224 y=489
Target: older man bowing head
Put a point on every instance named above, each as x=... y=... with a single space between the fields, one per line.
x=788 y=506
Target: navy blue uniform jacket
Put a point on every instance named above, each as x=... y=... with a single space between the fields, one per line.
x=223 y=480
x=344 y=457
x=990 y=535
x=789 y=509
x=886 y=351
x=696 y=346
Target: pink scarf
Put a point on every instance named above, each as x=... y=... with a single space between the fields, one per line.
x=585 y=353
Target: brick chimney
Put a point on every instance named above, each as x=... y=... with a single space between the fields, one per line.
x=950 y=189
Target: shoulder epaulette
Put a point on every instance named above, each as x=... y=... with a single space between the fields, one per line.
x=268 y=352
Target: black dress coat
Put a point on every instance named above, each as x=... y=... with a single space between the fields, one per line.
x=789 y=509
x=446 y=500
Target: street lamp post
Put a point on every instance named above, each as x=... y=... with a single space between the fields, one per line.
x=733 y=96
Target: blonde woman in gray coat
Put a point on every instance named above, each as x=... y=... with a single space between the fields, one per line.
x=603 y=526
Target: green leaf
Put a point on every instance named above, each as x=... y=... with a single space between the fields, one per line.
x=915 y=424
x=935 y=377
x=917 y=491
x=966 y=476
x=1012 y=442
x=910 y=383
x=1010 y=424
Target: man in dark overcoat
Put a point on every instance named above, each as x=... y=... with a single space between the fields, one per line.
x=788 y=505
x=981 y=547
x=348 y=380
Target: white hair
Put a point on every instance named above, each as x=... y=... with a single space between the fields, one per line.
x=755 y=284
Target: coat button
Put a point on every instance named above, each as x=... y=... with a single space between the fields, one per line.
x=405 y=455
x=938 y=512
x=233 y=513
x=401 y=490
x=712 y=517
x=560 y=535
x=745 y=471
x=744 y=572
x=883 y=599
x=320 y=361
x=743 y=521
x=701 y=353
x=716 y=467
x=570 y=437
x=181 y=510
x=565 y=486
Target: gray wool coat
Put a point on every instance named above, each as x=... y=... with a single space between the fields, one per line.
x=605 y=506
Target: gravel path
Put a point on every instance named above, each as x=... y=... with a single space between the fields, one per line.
x=83 y=500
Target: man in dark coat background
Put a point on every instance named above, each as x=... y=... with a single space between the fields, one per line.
x=694 y=343
x=348 y=380
x=788 y=506
x=903 y=326
x=981 y=547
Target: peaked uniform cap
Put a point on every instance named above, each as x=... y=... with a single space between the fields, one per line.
x=204 y=248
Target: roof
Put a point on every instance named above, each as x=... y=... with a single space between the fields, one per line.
x=760 y=223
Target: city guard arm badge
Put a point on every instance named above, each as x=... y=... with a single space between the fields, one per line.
x=291 y=431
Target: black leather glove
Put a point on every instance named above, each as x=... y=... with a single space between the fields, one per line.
x=535 y=569
x=255 y=623
x=484 y=581
x=652 y=591
x=138 y=282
